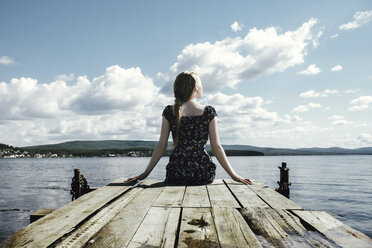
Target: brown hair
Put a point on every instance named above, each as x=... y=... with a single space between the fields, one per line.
x=183 y=88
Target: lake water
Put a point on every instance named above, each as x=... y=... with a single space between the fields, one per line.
x=339 y=185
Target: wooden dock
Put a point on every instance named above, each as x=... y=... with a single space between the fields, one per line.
x=222 y=214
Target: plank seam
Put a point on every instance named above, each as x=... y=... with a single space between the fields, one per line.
x=178 y=229
x=60 y=239
x=214 y=222
x=209 y=198
x=144 y=216
x=310 y=227
x=260 y=197
x=236 y=198
x=215 y=226
x=179 y=220
x=98 y=221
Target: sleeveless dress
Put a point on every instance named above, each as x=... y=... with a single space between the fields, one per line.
x=189 y=162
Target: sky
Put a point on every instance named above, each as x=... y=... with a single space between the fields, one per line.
x=288 y=74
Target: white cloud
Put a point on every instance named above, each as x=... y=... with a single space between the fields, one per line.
x=236 y=26
x=351 y=140
x=360 y=18
x=358 y=107
x=310 y=70
x=339 y=120
x=5 y=60
x=120 y=104
x=22 y=133
x=239 y=116
x=336 y=117
x=351 y=91
x=313 y=93
x=365 y=138
x=239 y=105
x=306 y=108
x=24 y=98
x=334 y=36
x=231 y=61
x=310 y=93
x=361 y=103
x=337 y=68
x=328 y=92
x=118 y=89
x=65 y=77
x=362 y=100
x=316 y=40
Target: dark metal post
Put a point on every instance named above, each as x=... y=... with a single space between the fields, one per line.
x=284 y=180
x=79 y=185
x=76 y=187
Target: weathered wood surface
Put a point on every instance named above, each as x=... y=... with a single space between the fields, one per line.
x=232 y=230
x=222 y=214
x=50 y=228
x=247 y=197
x=127 y=217
x=40 y=213
x=334 y=229
x=197 y=228
x=171 y=196
x=273 y=198
x=158 y=229
x=196 y=196
x=220 y=196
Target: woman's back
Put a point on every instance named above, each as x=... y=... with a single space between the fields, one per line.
x=189 y=163
x=193 y=129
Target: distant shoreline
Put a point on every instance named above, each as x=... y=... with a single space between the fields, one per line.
x=141 y=148
x=82 y=157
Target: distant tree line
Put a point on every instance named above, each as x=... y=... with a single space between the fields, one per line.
x=4 y=146
x=134 y=151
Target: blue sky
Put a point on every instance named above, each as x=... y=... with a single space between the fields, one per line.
x=286 y=74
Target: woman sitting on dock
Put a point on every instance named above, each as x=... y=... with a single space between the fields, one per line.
x=190 y=123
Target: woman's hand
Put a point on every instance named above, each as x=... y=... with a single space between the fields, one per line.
x=240 y=179
x=136 y=178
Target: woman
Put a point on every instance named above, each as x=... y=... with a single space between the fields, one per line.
x=190 y=123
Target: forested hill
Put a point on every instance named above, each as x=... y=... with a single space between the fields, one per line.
x=98 y=145
x=117 y=145
x=115 y=148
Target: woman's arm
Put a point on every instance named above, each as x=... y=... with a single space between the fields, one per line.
x=158 y=151
x=219 y=152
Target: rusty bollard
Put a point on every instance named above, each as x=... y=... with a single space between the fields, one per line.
x=284 y=180
x=79 y=185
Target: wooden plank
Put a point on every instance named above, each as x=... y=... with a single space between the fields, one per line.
x=298 y=236
x=171 y=196
x=232 y=230
x=158 y=229
x=334 y=229
x=295 y=227
x=128 y=211
x=196 y=196
x=40 y=213
x=220 y=195
x=273 y=198
x=197 y=228
x=50 y=228
x=246 y=196
x=120 y=230
x=261 y=223
x=217 y=181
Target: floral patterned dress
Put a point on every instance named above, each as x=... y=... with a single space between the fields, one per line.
x=189 y=163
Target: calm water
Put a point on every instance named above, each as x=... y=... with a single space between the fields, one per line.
x=339 y=185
